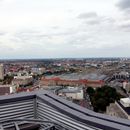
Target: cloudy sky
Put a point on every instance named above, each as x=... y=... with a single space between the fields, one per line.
x=64 y=28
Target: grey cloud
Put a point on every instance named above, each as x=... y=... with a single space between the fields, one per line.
x=34 y=35
x=125 y=27
x=2 y=33
x=87 y=15
x=30 y=35
x=100 y=20
x=108 y=20
x=93 y=22
x=55 y=27
x=92 y=18
x=124 y=4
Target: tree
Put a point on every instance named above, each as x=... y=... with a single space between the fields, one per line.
x=102 y=97
x=90 y=91
x=8 y=79
x=100 y=105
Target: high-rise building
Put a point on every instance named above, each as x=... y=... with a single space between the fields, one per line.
x=1 y=71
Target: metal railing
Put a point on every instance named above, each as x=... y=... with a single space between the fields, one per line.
x=44 y=125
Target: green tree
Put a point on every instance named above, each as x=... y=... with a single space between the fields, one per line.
x=90 y=91
x=102 y=97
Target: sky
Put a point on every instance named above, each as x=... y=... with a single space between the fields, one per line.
x=64 y=28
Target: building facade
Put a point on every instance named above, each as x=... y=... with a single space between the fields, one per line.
x=1 y=71
x=66 y=82
x=120 y=108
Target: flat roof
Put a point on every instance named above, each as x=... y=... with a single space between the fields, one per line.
x=125 y=100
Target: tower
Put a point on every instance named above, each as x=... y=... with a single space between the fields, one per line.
x=1 y=71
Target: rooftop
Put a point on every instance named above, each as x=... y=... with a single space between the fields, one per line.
x=71 y=90
x=126 y=109
x=77 y=76
x=53 y=113
x=125 y=100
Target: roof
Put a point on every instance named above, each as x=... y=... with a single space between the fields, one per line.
x=6 y=85
x=74 y=90
x=77 y=76
x=22 y=77
x=68 y=111
x=125 y=100
x=126 y=109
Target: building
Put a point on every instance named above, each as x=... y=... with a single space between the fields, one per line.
x=54 y=81
x=7 y=89
x=22 y=80
x=125 y=102
x=114 y=110
x=38 y=70
x=120 y=108
x=1 y=71
x=46 y=111
x=126 y=86
x=75 y=79
x=121 y=75
x=74 y=93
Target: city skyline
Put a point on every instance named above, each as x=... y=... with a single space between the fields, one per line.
x=64 y=28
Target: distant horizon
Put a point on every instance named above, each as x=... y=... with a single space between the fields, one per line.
x=66 y=58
